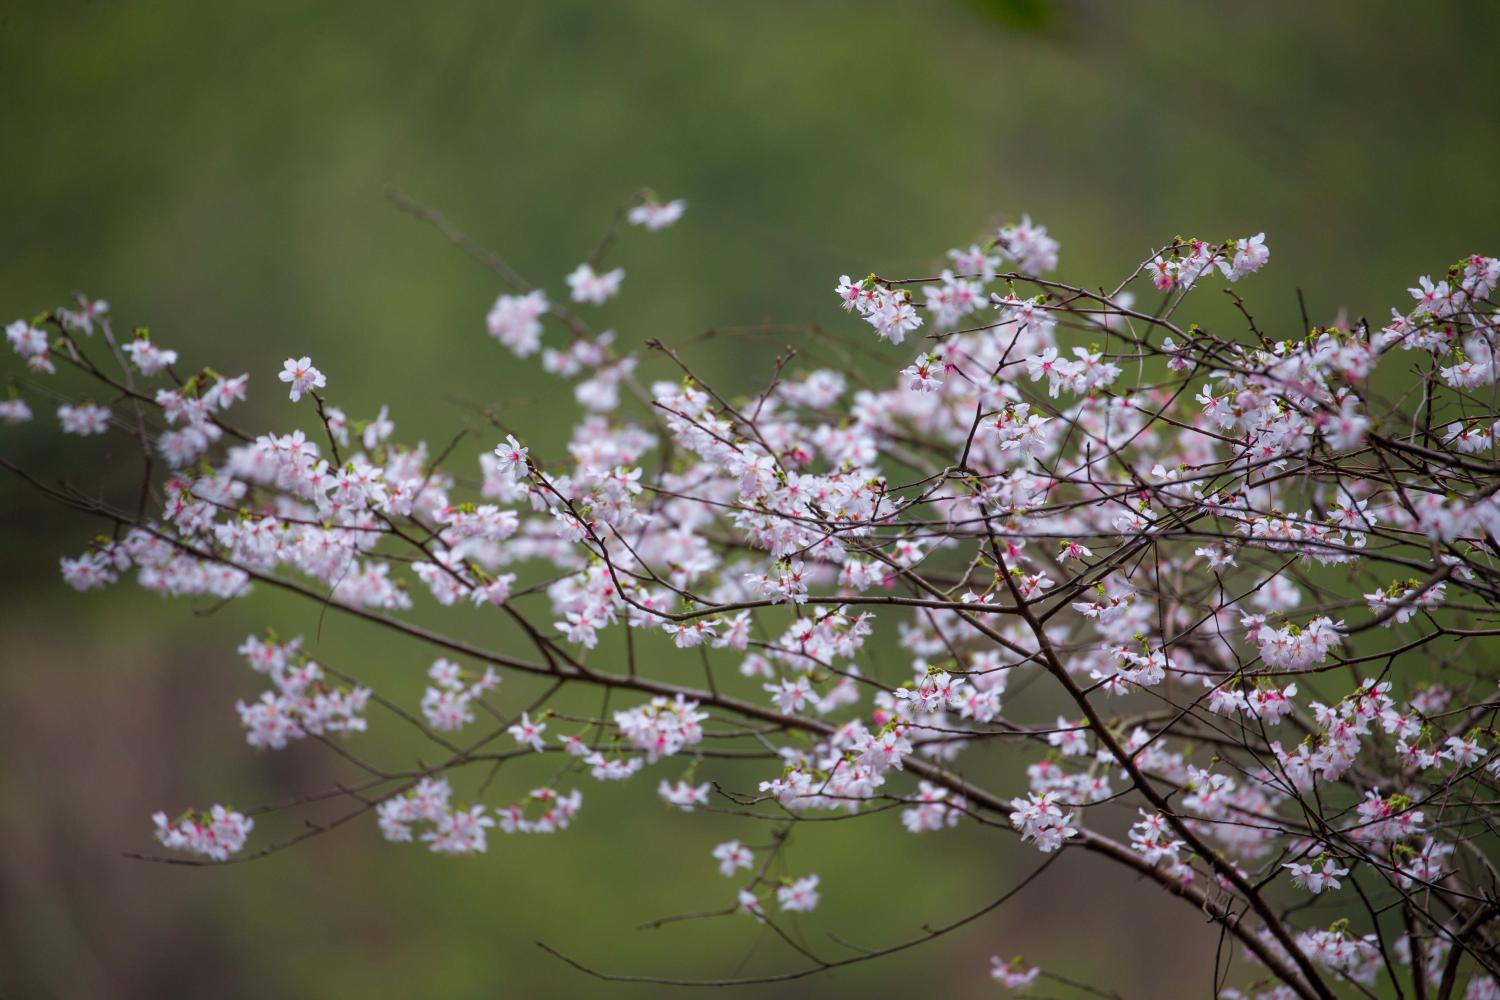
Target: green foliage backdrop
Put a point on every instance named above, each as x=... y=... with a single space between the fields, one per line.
x=215 y=170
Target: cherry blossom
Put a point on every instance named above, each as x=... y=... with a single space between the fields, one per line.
x=1315 y=876
x=731 y=856
x=300 y=374
x=1013 y=975
x=528 y=733
x=595 y=289
x=799 y=895
x=14 y=411
x=84 y=420
x=516 y=321
x=656 y=215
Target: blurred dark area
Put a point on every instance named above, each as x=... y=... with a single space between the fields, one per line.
x=216 y=172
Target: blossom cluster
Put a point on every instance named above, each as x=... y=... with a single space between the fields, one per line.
x=216 y=834
x=1258 y=588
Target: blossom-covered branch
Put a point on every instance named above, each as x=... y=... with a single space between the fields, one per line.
x=1260 y=575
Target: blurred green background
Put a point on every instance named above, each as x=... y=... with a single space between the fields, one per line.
x=215 y=171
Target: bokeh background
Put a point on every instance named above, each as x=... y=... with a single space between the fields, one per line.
x=216 y=170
